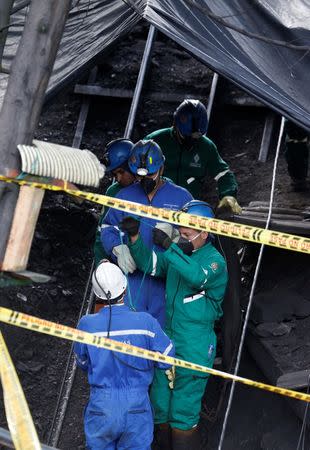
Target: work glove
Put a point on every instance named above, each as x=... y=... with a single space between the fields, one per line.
x=124 y=259
x=185 y=245
x=129 y=225
x=228 y=204
x=161 y=238
x=171 y=376
x=169 y=229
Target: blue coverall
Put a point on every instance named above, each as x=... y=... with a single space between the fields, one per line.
x=148 y=294
x=118 y=414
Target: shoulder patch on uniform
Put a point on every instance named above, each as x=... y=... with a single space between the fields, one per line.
x=214 y=266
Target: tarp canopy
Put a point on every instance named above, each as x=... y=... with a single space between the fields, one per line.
x=273 y=66
x=275 y=73
x=92 y=26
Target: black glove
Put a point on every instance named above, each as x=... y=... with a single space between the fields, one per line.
x=161 y=238
x=129 y=225
x=186 y=246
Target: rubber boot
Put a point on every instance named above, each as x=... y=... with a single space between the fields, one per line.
x=186 y=439
x=162 y=437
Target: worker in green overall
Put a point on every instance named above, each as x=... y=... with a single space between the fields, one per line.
x=196 y=279
x=190 y=155
x=116 y=156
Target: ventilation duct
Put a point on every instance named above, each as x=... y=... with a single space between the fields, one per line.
x=61 y=162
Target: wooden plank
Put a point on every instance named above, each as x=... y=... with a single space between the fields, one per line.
x=22 y=230
x=286 y=226
x=77 y=140
x=294 y=380
x=168 y=97
x=100 y=91
x=264 y=214
x=276 y=209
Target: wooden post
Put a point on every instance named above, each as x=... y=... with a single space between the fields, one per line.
x=29 y=76
x=22 y=231
x=5 y=11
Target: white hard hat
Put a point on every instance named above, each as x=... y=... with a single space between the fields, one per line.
x=109 y=282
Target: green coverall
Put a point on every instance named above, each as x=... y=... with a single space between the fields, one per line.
x=195 y=287
x=188 y=168
x=99 y=252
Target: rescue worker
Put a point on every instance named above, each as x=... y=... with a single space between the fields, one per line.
x=115 y=159
x=147 y=163
x=118 y=414
x=297 y=155
x=196 y=279
x=190 y=155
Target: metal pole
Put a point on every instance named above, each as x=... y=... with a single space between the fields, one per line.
x=270 y=123
x=143 y=69
x=5 y=439
x=212 y=94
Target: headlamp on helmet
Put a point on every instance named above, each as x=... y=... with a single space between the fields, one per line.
x=146 y=158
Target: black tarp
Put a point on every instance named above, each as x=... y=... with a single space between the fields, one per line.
x=92 y=26
x=275 y=74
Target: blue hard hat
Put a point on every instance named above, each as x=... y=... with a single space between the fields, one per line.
x=191 y=118
x=199 y=208
x=146 y=158
x=117 y=153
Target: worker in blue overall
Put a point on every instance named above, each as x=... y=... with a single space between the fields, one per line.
x=115 y=159
x=119 y=414
x=147 y=163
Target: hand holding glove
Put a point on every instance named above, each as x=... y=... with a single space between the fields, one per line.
x=228 y=204
x=124 y=259
x=129 y=225
x=169 y=229
x=171 y=376
x=161 y=238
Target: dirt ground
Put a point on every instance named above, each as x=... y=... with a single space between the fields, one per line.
x=62 y=246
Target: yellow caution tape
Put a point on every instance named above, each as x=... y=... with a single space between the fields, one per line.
x=18 y=416
x=55 y=329
x=222 y=227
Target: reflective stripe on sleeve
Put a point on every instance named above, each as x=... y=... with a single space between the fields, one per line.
x=221 y=174
x=154 y=263
x=125 y=332
x=166 y=352
x=192 y=298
